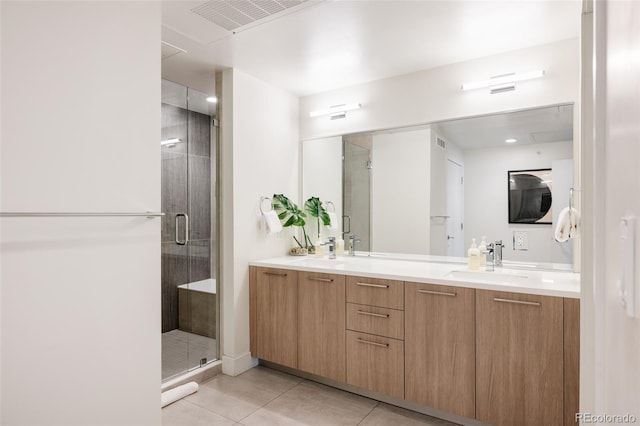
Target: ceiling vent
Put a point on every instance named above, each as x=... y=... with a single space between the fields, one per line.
x=234 y=14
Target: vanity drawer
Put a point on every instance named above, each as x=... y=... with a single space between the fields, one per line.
x=375 y=320
x=375 y=363
x=375 y=292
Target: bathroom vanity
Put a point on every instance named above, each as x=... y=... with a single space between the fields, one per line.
x=499 y=348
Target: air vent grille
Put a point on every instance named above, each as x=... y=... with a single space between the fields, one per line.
x=233 y=14
x=441 y=143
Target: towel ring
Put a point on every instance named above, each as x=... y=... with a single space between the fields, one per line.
x=333 y=209
x=262 y=200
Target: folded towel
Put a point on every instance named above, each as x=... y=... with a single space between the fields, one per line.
x=568 y=225
x=172 y=395
x=333 y=220
x=271 y=222
x=574 y=231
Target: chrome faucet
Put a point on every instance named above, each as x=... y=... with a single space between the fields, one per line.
x=497 y=252
x=490 y=258
x=332 y=247
x=353 y=239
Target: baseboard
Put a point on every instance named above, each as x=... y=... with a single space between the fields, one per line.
x=234 y=366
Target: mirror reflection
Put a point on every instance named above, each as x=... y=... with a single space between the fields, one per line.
x=430 y=189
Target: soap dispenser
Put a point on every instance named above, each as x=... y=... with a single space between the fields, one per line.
x=483 y=252
x=319 y=248
x=339 y=247
x=474 y=256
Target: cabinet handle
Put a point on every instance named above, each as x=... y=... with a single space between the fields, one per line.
x=519 y=302
x=325 y=280
x=438 y=293
x=372 y=285
x=276 y=274
x=374 y=314
x=382 y=345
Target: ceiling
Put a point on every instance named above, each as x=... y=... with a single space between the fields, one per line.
x=318 y=45
x=539 y=125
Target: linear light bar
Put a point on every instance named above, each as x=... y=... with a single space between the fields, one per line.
x=170 y=141
x=336 y=109
x=503 y=79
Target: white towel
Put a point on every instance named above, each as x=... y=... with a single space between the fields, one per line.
x=574 y=231
x=172 y=395
x=271 y=221
x=568 y=225
x=333 y=220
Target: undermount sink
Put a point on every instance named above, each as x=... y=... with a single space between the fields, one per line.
x=500 y=277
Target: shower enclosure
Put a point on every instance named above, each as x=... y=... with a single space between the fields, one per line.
x=189 y=230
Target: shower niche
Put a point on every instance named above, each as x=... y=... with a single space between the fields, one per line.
x=189 y=230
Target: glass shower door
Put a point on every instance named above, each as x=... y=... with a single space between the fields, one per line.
x=189 y=302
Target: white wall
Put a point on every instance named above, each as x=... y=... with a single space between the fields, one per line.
x=322 y=178
x=80 y=296
x=401 y=178
x=259 y=157
x=434 y=95
x=486 y=202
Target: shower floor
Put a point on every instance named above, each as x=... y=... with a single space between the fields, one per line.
x=182 y=351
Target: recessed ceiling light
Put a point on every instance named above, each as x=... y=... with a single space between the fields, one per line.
x=511 y=140
x=212 y=99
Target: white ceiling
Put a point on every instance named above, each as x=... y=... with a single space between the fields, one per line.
x=324 y=44
x=540 y=125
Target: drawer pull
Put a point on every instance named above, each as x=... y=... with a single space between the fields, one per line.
x=382 y=345
x=372 y=285
x=276 y=274
x=438 y=293
x=324 y=280
x=519 y=302
x=373 y=314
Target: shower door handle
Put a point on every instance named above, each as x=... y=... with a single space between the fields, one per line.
x=186 y=229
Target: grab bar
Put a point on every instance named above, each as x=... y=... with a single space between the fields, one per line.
x=80 y=214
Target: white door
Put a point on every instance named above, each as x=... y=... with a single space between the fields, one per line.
x=455 y=209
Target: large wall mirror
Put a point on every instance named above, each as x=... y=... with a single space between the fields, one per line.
x=430 y=189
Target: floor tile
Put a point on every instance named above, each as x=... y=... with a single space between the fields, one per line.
x=384 y=415
x=312 y=404
x=270 y=379
x=182 y=413
x=232 y=397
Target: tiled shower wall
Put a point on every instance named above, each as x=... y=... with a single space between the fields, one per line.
x=186 y=188
x=357 y=188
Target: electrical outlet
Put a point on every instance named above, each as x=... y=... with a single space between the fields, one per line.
x=520 y=240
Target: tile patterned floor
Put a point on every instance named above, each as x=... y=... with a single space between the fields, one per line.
x=265 y=397
x=182 y=351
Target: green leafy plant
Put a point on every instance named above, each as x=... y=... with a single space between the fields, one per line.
x=315 y=208
x=290 y=215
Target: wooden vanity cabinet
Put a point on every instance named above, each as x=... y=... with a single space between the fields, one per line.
x=274 y=300
x=519 y=359
x=440 y=347
x=322 y=325
x=375 y=335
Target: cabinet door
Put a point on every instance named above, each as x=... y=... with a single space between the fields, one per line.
x=321 y=325
x=375 y=363
x=519 y=359
x=276 y=315
x=440 y=347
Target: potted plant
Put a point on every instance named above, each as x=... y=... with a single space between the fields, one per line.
x=291 y=215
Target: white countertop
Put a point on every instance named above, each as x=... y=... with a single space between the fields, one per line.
x=522 y=280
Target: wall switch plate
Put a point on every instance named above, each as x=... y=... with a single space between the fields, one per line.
x=520 y=240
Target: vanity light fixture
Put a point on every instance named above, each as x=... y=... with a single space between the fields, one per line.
x=336 y=111
x=511 y=140
x=212 y=99
x=170 y=142
x=503 y=83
